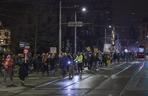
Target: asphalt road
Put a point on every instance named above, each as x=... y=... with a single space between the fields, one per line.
x=128 y=79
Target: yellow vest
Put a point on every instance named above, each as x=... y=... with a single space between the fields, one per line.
x=79 y=58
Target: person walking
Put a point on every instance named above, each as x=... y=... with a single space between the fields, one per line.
x=45 y=67
x=90 y=60
x=8 y=68
x=70 y=64
x=23 y=70
x=52 y=63
x=63 y=64
x=79 y=60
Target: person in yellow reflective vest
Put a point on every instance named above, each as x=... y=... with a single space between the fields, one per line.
x=79 y=61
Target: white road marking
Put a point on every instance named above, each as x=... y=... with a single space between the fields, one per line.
x=47 y=83
x=110 y=95
x=121 y=93
x=59 y=80
x=111 y=67
x=113 y=77
x=123 y=70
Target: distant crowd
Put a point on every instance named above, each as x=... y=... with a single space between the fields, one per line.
x=48 y=63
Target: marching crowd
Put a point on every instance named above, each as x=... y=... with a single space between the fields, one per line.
x=48 y=63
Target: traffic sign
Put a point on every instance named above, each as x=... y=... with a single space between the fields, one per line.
x=107 y=48
x=53 y=50
x=75 y=24
x=22 y=44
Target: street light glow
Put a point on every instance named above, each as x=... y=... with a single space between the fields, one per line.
x=110 y=26
x=84 y=9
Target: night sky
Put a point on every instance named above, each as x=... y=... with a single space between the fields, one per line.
x=124 y=13
x=125 y=10
x=122 y=9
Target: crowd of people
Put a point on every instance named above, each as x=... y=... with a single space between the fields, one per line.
x=48 y=63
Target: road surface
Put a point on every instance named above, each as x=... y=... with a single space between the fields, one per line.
x=128 y=79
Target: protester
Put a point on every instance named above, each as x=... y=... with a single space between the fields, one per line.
x=23 y=70
x=52 y=63
x=8 y=68
x=79 y=60
x=70 y=64
x=45 y=66
x=63 y=64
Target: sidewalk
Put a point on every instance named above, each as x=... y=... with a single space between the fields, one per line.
x=33 y=80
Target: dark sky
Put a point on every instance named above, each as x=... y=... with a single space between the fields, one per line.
x=123 y=10
x=126 y=10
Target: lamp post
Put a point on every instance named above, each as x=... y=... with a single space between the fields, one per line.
x=113 y=36
x=36 y=35
x=105 y=36
x=60 y=27
x=74 y=24
x=83 y=9
x=75 y=34
x=113 y=39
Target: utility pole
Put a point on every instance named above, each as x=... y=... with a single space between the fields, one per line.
x=60 y=27
x=36 y=36
x=105 y=35
x=36 y=31
x=75 y=34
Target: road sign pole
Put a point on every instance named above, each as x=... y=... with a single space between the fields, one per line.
x=75 y=37
x=105 y=35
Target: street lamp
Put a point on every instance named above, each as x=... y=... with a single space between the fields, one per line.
x=60 y=27
x=75 y=24
x=106 y=27
x=84 y=9
x=75 y=34
x=110 y=26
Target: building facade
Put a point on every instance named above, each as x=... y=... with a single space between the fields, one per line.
x=5 y=39
x=143 y=34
